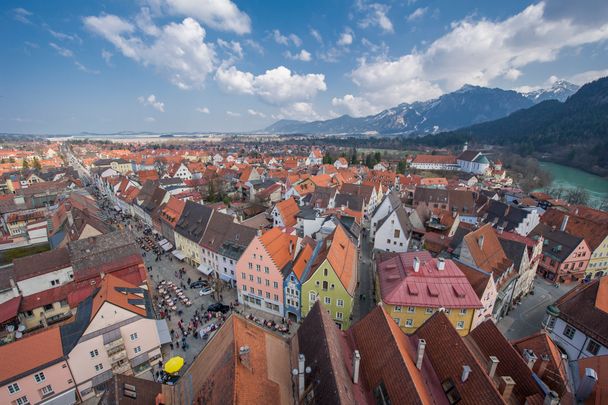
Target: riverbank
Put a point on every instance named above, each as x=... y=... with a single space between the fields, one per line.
x=567 y=178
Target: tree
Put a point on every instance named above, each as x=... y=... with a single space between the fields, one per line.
x=211 y=192
x=354 y=159
x=36 y=164
x=25 y=164
x=327 y=158
x=377 y=157
x=369 y=160
x=578 y=196
x=401 y=167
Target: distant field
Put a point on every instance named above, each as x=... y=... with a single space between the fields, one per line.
x=7 y=256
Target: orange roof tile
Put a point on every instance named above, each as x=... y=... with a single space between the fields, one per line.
x=342 y=256
x=30 y=353
x=277 y=243
x=109 y=292
x=288 y=210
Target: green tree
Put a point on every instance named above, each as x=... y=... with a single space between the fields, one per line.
x=354 y=158
x=401 y=167
x=369 y=160
x=211 y=192
x=25 y=164
x=327 y=158
x=377 y=157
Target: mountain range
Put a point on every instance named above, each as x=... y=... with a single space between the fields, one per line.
x=464 y=107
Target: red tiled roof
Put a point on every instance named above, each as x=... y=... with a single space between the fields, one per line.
x=288 y=210
x=9 y=309
x=435 y=159
x=277 y=243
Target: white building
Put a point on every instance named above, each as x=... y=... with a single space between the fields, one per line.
x=390 y=203
x=394 y=232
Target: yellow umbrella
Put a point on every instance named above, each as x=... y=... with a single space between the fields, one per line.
x=173 y=365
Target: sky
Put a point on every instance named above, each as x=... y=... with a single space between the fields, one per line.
x=219 y=65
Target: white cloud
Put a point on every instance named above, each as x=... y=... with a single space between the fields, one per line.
x=275 y=86
x=303 y=55
x=65 y=37
x=255 y=113
x=300 y=111
x=21 y=15
x=203 y=110
x=152 y=102
x=233 y=49
x=355 y=106
x=85 y=69
x=233 y=114
x=107 y=56
x=178 y=49
x=588 y=76
x=66 y=53
x=375 y=16
x=286 y=39
x=150 y=119
x=316 y=35
x=346 y=38
x=474 y=52
x=255 y=46
x=417 y=14
x=222 y=15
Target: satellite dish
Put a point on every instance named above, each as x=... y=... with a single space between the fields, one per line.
x=18 y=335
x=21 y=328
x=10 y=328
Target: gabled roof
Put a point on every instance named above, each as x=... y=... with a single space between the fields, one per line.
x=193 y=221
x=288 y=209
x=448 y=353
x=279 y=245
x=469 y=155
x=41 y=263
x=172 y=211
x=491 y=342
x=490 y=256
x=586 y=308
x=325 y=350
x=593 y=231
x=351 y=201
x=122 y=294
x=342 y=256
x=478 y=278
x=557 y=244
x=386 y=358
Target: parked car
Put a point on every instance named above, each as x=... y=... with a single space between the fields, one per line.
x=199 y=284
x=206 y=291
x=218 y=307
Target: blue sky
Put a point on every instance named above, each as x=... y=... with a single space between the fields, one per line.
x=221 y=65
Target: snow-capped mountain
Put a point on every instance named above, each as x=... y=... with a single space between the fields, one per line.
x=560 y=90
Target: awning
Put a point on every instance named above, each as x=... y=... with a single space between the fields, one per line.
x=163 y=241
x=179 y=254
x=167 y=246
x=206 y=270
x=226 y=277
x=163 y=331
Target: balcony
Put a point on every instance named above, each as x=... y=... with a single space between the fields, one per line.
x=115 y=343
x=117 y=355
x=121 y=368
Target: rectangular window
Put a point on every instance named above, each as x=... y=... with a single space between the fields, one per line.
x=48 y=307
x=252 y=290
x=463 y=311
x=396 y=320
x=429 y=310
x=257 y=267
x=94 y=353
x=259 y=280
x=267 y=283
x=327 y=300
x=266 y=269
x=39 y=377
x=137 y=349
x=340 y=303
x=98 y=367
x=243 y=276
x=251 y=277
x=312 y=297
x=48 y=390
x=593 y=347
x=267 y=295
x=250 y=265
x=411 y=310
x=276 y=297
x=397 y=233
x=339 y=315
x=397 y=308
x=244 y=288
x=275 y=284
x=134 y=336
x=569 y=332
x=260 y=293
x=448 y=311
x=22 y=401
x=409 y=323
x=460 y=325
x=13 y=388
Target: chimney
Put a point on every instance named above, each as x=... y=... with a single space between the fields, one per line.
x=441 y=264
x=291 y=247
x=551 y=398
x=586 y=385
x=492 y=364
x=356 y=364
x=420 y=353
x=466 y=370
x=416 y=264
x=564 y=223
x=540 y=366
x=70 y=218
x=244 y=356
x=480 y=242
x=530 y=358
x=506 y=387
x=301 y=370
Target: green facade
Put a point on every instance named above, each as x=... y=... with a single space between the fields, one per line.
x=334 y=291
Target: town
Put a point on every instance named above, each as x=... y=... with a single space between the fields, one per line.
x=255 y=271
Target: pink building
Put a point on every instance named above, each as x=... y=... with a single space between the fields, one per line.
x=259 y=270
x=34 y=370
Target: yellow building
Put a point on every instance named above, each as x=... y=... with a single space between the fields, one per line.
x=413 y=286
x=598 y=263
